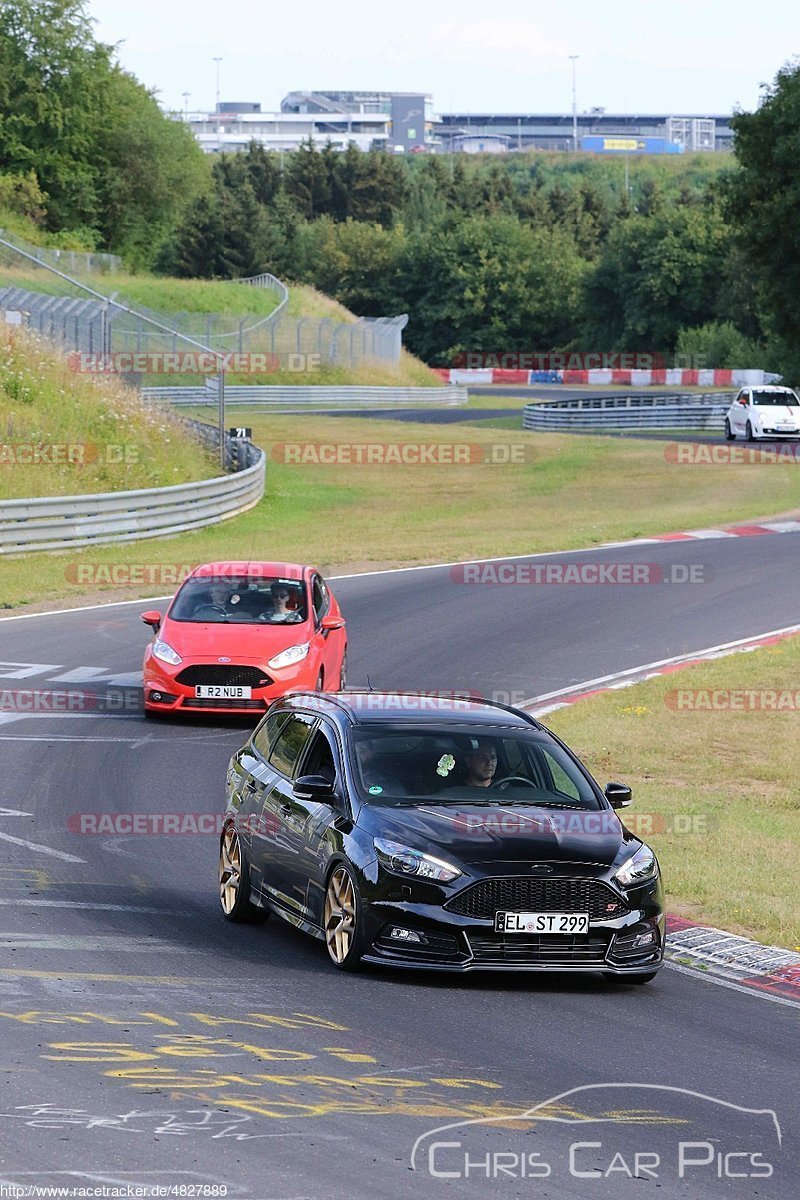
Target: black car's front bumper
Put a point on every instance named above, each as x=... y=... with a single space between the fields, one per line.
x=630 y=943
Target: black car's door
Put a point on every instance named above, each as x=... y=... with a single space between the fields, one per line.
x=254 y=787
x=277 y=834
x=307 y=823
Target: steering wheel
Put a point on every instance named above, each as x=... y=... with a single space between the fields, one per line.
x=209 y=609
x=507 y=779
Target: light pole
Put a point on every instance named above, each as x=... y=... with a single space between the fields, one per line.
x=218 y=60
x=186 y=96
x=574 y=58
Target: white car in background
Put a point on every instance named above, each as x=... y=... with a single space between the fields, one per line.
x=764 y=412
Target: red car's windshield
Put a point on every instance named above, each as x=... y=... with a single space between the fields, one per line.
x=240 y=600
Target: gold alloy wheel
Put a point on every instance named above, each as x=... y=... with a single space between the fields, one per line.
x=230 y=870
x=340 y=914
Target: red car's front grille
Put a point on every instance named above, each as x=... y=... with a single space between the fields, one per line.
x=249 y=705
x=223 y=675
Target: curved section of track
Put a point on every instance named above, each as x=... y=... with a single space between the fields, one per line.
x=162 y=1045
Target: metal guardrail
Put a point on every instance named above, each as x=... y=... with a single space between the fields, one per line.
x=697 y=410
x=64 y=522
x=314 y=397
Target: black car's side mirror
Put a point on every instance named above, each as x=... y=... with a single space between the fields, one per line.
x=618 y=795
x=313 y=787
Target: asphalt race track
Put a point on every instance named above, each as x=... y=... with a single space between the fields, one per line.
x=147 y=1041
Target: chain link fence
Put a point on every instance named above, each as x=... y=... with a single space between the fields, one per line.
x=36 y=290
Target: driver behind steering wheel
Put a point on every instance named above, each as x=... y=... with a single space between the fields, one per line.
x=480 y=763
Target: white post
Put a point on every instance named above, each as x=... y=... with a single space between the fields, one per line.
x=574 y=58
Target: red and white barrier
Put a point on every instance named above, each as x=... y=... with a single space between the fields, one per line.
x=663 y=377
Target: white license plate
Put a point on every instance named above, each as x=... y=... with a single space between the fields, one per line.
x=219 y=692
x=528 y=922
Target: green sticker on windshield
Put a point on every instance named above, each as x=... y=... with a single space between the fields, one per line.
x=375 y=790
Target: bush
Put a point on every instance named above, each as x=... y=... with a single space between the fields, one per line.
x=718 y=344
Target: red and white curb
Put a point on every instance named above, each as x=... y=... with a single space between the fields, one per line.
x=549 y=702
x=730 y=531
x=603 y=376
x=740 y=960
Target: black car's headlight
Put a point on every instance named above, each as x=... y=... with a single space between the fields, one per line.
x=640 y=867
x=403 y=860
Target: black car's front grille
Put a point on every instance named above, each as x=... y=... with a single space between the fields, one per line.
x=250 y=705
x=518 y=894
x=507 y=950
x=221 y=675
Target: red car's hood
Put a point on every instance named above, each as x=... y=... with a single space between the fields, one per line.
x=209 y=642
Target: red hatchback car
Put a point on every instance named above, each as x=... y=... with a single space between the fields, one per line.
x=237 y=635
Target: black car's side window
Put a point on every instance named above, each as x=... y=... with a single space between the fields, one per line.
x=267 y=732
x=320 y=758
x=291 y=740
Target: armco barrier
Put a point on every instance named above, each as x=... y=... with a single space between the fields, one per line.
x=63 y=522
x=704 y=410
x=315 y=397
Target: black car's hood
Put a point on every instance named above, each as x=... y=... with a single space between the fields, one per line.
x=483 y=833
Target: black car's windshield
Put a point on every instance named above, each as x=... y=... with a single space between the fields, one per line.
x=240 y=600
x=775 y=400
x=450 y=767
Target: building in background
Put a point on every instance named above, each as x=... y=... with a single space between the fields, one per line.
x=553 y=131
x=405 y=122
x=235 y=124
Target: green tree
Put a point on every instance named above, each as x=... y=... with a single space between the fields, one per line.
x=655 y=275
x=152 y=171
x=763 y=203
x=53 y=79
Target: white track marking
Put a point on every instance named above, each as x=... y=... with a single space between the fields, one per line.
x=689 y=656
x=707 y=977
x=6 y=837
x=127 y=943
x=12 y=902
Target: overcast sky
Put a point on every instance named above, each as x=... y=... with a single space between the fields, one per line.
x=685 y=56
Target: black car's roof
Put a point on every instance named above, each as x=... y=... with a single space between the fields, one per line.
x=412 y=707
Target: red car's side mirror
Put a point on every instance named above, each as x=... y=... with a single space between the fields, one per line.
x=152 y=617
x=332 y=623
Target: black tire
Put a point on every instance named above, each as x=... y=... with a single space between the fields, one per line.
x=730 y=436
x=748 y=432
x=343 y=672
x=234 y=882
x=343 y=924
x=645 y=977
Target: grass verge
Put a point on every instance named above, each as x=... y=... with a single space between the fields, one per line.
x=567 y=492
x=727 y=776
x=64 y=434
